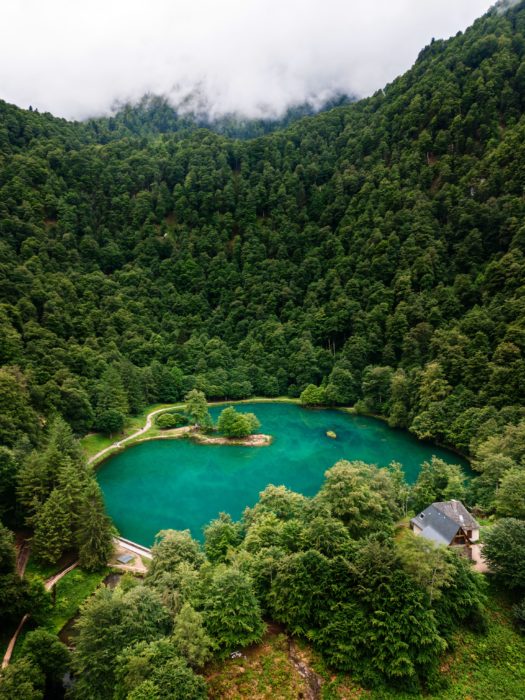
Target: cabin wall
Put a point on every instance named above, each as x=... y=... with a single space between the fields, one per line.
x=415 y=529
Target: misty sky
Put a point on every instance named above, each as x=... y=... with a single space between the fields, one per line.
x=256 y=57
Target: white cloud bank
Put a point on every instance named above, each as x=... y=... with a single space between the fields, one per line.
x=256 y=57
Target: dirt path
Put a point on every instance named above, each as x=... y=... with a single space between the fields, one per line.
x=22 y=558
x=478 y=560
x=11 y=645
x=54 y=579
x=48 y=585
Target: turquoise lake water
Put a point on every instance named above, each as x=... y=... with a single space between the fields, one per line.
x=179 y=484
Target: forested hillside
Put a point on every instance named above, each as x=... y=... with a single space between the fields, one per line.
x=155 y=115
x=376 y=249
x=372 y=256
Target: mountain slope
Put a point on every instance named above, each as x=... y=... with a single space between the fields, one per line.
x=155 y=115
x=377 y=247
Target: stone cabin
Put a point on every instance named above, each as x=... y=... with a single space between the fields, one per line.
x=447 y=523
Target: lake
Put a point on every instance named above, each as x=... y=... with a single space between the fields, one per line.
x=180 y=484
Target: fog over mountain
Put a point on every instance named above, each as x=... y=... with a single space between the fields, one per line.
x=251 y=57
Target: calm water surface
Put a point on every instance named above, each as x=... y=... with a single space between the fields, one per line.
x=179 y=484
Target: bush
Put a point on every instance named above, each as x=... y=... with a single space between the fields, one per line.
x=47 y=653
x=165 y=421
x=313 y=396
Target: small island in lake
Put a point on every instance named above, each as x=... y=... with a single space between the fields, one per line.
x=256 y=440
x=236 y=429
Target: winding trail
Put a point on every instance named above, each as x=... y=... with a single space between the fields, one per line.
x=140 y=432
x=11 y=645
x=54 y=579
x=185 y=429
x=48 y=586
x=23 y=552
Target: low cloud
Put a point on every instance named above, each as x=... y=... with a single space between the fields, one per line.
x=253 y=57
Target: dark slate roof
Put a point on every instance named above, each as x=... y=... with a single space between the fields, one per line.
x=457 y=512
x=436 y=526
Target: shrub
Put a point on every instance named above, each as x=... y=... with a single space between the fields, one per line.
x=170 y=420
x=313 y=396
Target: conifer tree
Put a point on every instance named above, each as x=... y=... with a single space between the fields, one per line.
x=231 y=610
x=112 y=402
x=53 y=529
x=189 y=637
x=72 y=483
x=95 y=533
x=40 y=472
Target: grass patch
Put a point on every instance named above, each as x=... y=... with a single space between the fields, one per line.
x=43 y=571
x=95 y=442
x=264 y=671
x=71 y=592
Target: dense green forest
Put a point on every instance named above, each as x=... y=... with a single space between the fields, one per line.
x=376 y=249
x=371 y=255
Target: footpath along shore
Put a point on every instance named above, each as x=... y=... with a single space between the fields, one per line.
x=258 y=440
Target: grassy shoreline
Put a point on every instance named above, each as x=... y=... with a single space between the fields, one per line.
x=93 y=443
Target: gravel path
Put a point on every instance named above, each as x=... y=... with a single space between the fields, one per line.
x=48 y=586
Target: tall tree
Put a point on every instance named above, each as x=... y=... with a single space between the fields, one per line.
x=189 y=637
x=197 y=408
x=437 y=481
x=95 y=530
x=360 y=495
x=231 y=611
x=504 y=550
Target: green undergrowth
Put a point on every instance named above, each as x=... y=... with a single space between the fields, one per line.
x=44 y=571
x=488 y=666
x=263 y=671
x=71 y=592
